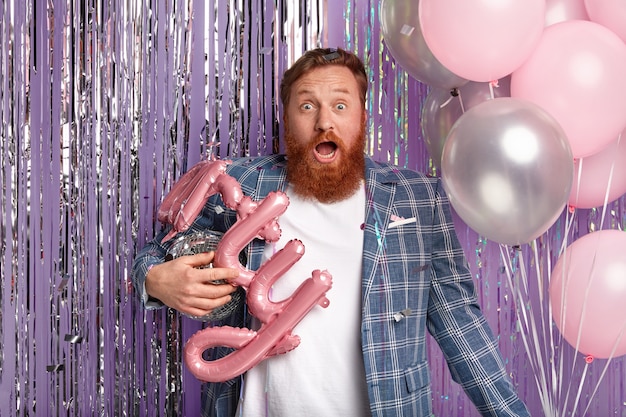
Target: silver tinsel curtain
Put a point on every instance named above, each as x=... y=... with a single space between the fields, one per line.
x=103 y=105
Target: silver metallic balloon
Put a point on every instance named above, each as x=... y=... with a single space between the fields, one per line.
x=443 y=107
x=403 y=36
x=508 y=169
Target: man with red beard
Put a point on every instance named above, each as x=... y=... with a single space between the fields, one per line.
x=384 y=233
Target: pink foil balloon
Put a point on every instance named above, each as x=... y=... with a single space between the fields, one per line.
x=482 y=40
x=576 y=74
x=275 y=336
x=187 y=197
x=258 y=222
x=255 y=220
x=599 y=176
x=587 y=293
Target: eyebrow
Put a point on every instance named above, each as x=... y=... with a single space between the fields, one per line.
x=335 y=90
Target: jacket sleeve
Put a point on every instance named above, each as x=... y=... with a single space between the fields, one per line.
x=456 y=322
x=151 y=254
x=154 y=252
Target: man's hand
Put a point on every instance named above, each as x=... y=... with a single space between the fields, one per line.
x=179 y=284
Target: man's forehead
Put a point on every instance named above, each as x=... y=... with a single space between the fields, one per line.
x=332 y=78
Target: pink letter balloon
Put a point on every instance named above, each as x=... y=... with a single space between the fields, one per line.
x=403 y=36
x=587 y=293
x=482 y=40
x=599 y=176
x=255 y=220
x=187 y=197
x=610 y=14
x=507 y=168
x=576 y=74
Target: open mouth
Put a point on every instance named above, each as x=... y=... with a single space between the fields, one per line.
x=325 y=151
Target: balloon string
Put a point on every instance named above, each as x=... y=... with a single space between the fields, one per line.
x=540 y=348
x=457 y=92
x=569 y=222
x=546 y=319
x=558 y=365
x=581 y=321
x=570 y=217
x=579 y=177
x=491 y=85
x=606 y=366
x=608 y=186
x=527 y=324
x=580 y=387
x=556 y=382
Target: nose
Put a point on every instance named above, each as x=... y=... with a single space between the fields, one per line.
x=324 y=120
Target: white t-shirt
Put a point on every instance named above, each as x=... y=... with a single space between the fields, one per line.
x=324 y=375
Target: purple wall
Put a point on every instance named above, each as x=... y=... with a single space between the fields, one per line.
x=104 y=104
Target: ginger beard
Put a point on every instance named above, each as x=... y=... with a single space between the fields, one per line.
x=327 y=183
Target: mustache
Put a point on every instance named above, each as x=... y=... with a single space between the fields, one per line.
x=327 y=136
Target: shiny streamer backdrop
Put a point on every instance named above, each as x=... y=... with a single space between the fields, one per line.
x=103 y=104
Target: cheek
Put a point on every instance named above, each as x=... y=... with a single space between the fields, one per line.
x=355 y=131
x=296 y=124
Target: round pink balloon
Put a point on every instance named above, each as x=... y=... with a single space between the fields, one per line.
x=576 y=73
x=609 y=13
x=599 y=176
x=482 y=40
x=587 y=293
x=564 y=10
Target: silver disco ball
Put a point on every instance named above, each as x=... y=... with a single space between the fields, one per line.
x=201 y=242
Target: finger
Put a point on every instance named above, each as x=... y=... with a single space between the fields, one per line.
x=218 y=274
x=212 y=291
x=200 y=259
x=203 y=306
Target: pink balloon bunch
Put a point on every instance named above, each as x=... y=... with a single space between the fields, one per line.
x=587 y=293
x=255 y=220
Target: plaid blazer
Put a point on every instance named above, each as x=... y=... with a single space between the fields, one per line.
x=412 y=263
